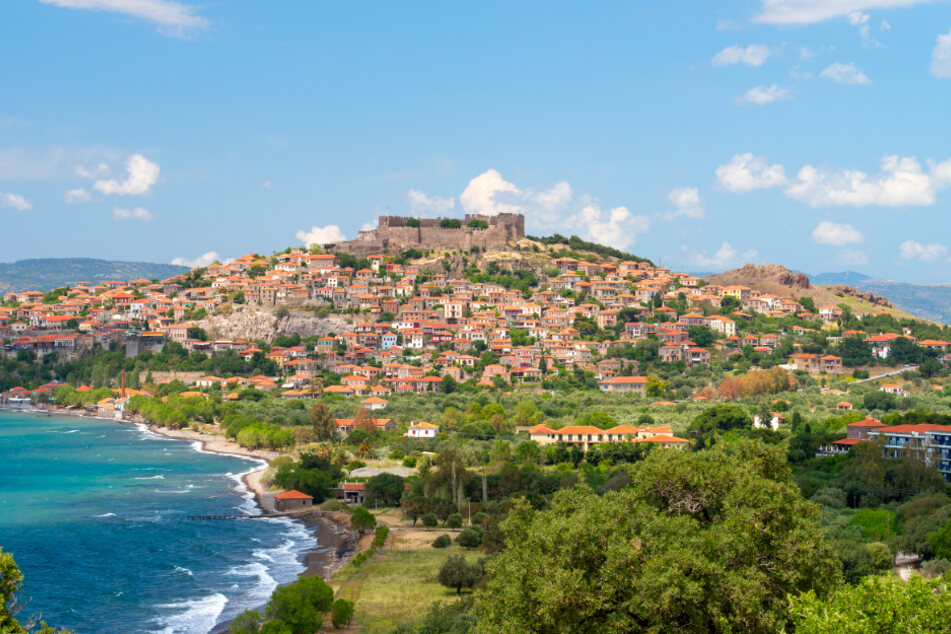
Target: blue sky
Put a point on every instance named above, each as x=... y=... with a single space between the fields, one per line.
x=810 y=133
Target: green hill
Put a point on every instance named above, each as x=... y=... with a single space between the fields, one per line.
x=49 y=273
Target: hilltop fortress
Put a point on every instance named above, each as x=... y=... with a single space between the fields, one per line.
x=398 y=233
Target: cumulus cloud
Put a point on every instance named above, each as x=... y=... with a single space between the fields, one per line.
x=141 y=175
x=812 y=11
x=100 y=169
x=836 y=234
x=422 y=205
x=687 y=204
x=746 y=172
x=78 y=195
x=752 y=55
x=172 y=18
x=15 y=201
x=725 y=257
x=136 y=213
x=490 y=194
x=615 y=227
x=912 y=250
x=321 y=235
x=902 y=182
x=845 y=74
x=762 y=95
x=199 y=262
x=941 y=57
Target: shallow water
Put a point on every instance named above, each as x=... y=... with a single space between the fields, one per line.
x=96 y=515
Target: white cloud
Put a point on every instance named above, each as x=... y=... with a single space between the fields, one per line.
x=900 y=183
x=615 y=227
x=101 y=169
x=836 y=234
x=725 y=257
x=845 y=74
x=752 y=55
x=142 y=174
x=480 y=194
x=746 y=172
x=687 y=203
x=50 y=163
x=173 y=18
x=422 y=205
x=321 y=235
x=812 y=11
x=78 y=195
x=199 y=262
x=857 y=17
x=15 y=201
x=912 y=250
x=762 y=95
x=490 y=194
x=941 y=57
x=136 y=213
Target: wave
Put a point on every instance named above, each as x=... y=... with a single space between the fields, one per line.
x=106 y=515
x=184 y=570
x=188 y=490
x=71 y=431
x=196 y=615
x=155 y=477
x=266 y=583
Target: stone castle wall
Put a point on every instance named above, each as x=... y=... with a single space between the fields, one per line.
x=392 y=235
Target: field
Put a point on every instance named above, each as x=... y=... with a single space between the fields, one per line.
x=398 y=584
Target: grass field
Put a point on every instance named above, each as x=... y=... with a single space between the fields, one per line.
x=398 y=584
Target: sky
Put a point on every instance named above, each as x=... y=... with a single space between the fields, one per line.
x=810 y=133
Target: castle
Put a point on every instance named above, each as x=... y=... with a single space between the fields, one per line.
x=395 y=233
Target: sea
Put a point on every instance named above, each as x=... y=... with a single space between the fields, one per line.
x=97 y=516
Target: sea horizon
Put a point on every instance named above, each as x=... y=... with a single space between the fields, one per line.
x=96 y=514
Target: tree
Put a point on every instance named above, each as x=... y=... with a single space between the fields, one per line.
x=300 y=605
x=882 y=604
x=528 y=452
x=703 y=336
x=341 y=612
x=363 y=421
x=322 y=422
x=450 y=223
x=725 y=532
x=470 y=537
x=454 y=520
x=457 y=573
x=362 y=520
x=11 y=579
x=413 y=222
x=385 y=487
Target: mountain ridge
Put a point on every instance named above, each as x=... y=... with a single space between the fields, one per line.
x=44 y=274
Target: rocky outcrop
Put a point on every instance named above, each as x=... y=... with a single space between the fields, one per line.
x=250 y=323
x=751 y=274
x=878 y=300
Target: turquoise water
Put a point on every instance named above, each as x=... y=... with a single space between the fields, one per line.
x=96 y=515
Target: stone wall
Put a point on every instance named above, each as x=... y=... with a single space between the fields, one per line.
x=393 y=235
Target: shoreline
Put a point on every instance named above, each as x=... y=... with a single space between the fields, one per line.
x=333 y=542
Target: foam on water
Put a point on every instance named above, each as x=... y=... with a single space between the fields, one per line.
x=196 y=616
x=106 y=515
x=155 y=477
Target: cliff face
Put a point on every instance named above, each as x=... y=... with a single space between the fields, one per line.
x=878 y=300
x=255 y=323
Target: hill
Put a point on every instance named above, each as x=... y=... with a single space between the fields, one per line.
x=845 y=277
x=776 y=279
x=927 y=301
x=49 y=273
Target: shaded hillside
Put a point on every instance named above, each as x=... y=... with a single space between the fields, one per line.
x=776 y=279
x=49 y=273
x=932 y=301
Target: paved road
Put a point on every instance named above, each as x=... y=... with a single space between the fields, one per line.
x=891 y=373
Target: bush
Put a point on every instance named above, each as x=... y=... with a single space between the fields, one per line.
x=470 y=537
x=355 y=464
x=409 y=462
x=457 y=573
x=935 y=568
x=443 y=541
x=454 y=520
x=480 y=518
x=341 y=612
x=429 y=520
x=362 y=520
x=396 y=454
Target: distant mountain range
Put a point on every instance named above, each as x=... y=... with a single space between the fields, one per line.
x=49 y=273
x=928 y=301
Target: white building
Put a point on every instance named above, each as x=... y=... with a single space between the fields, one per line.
x=422 y=430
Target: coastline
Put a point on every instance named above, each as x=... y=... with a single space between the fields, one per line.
x=333 y=541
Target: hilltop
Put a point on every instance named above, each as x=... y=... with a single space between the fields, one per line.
x=779 y=280
x=49 y=273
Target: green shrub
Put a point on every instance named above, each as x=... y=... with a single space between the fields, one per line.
x=470 y=537
x=362 y=520
x=396 y=454
x=454 y=520
x=409 y=462
x=341 y=612
x=429 y=520
x=443 y=541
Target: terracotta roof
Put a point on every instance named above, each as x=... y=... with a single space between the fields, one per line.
x=293 y=495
